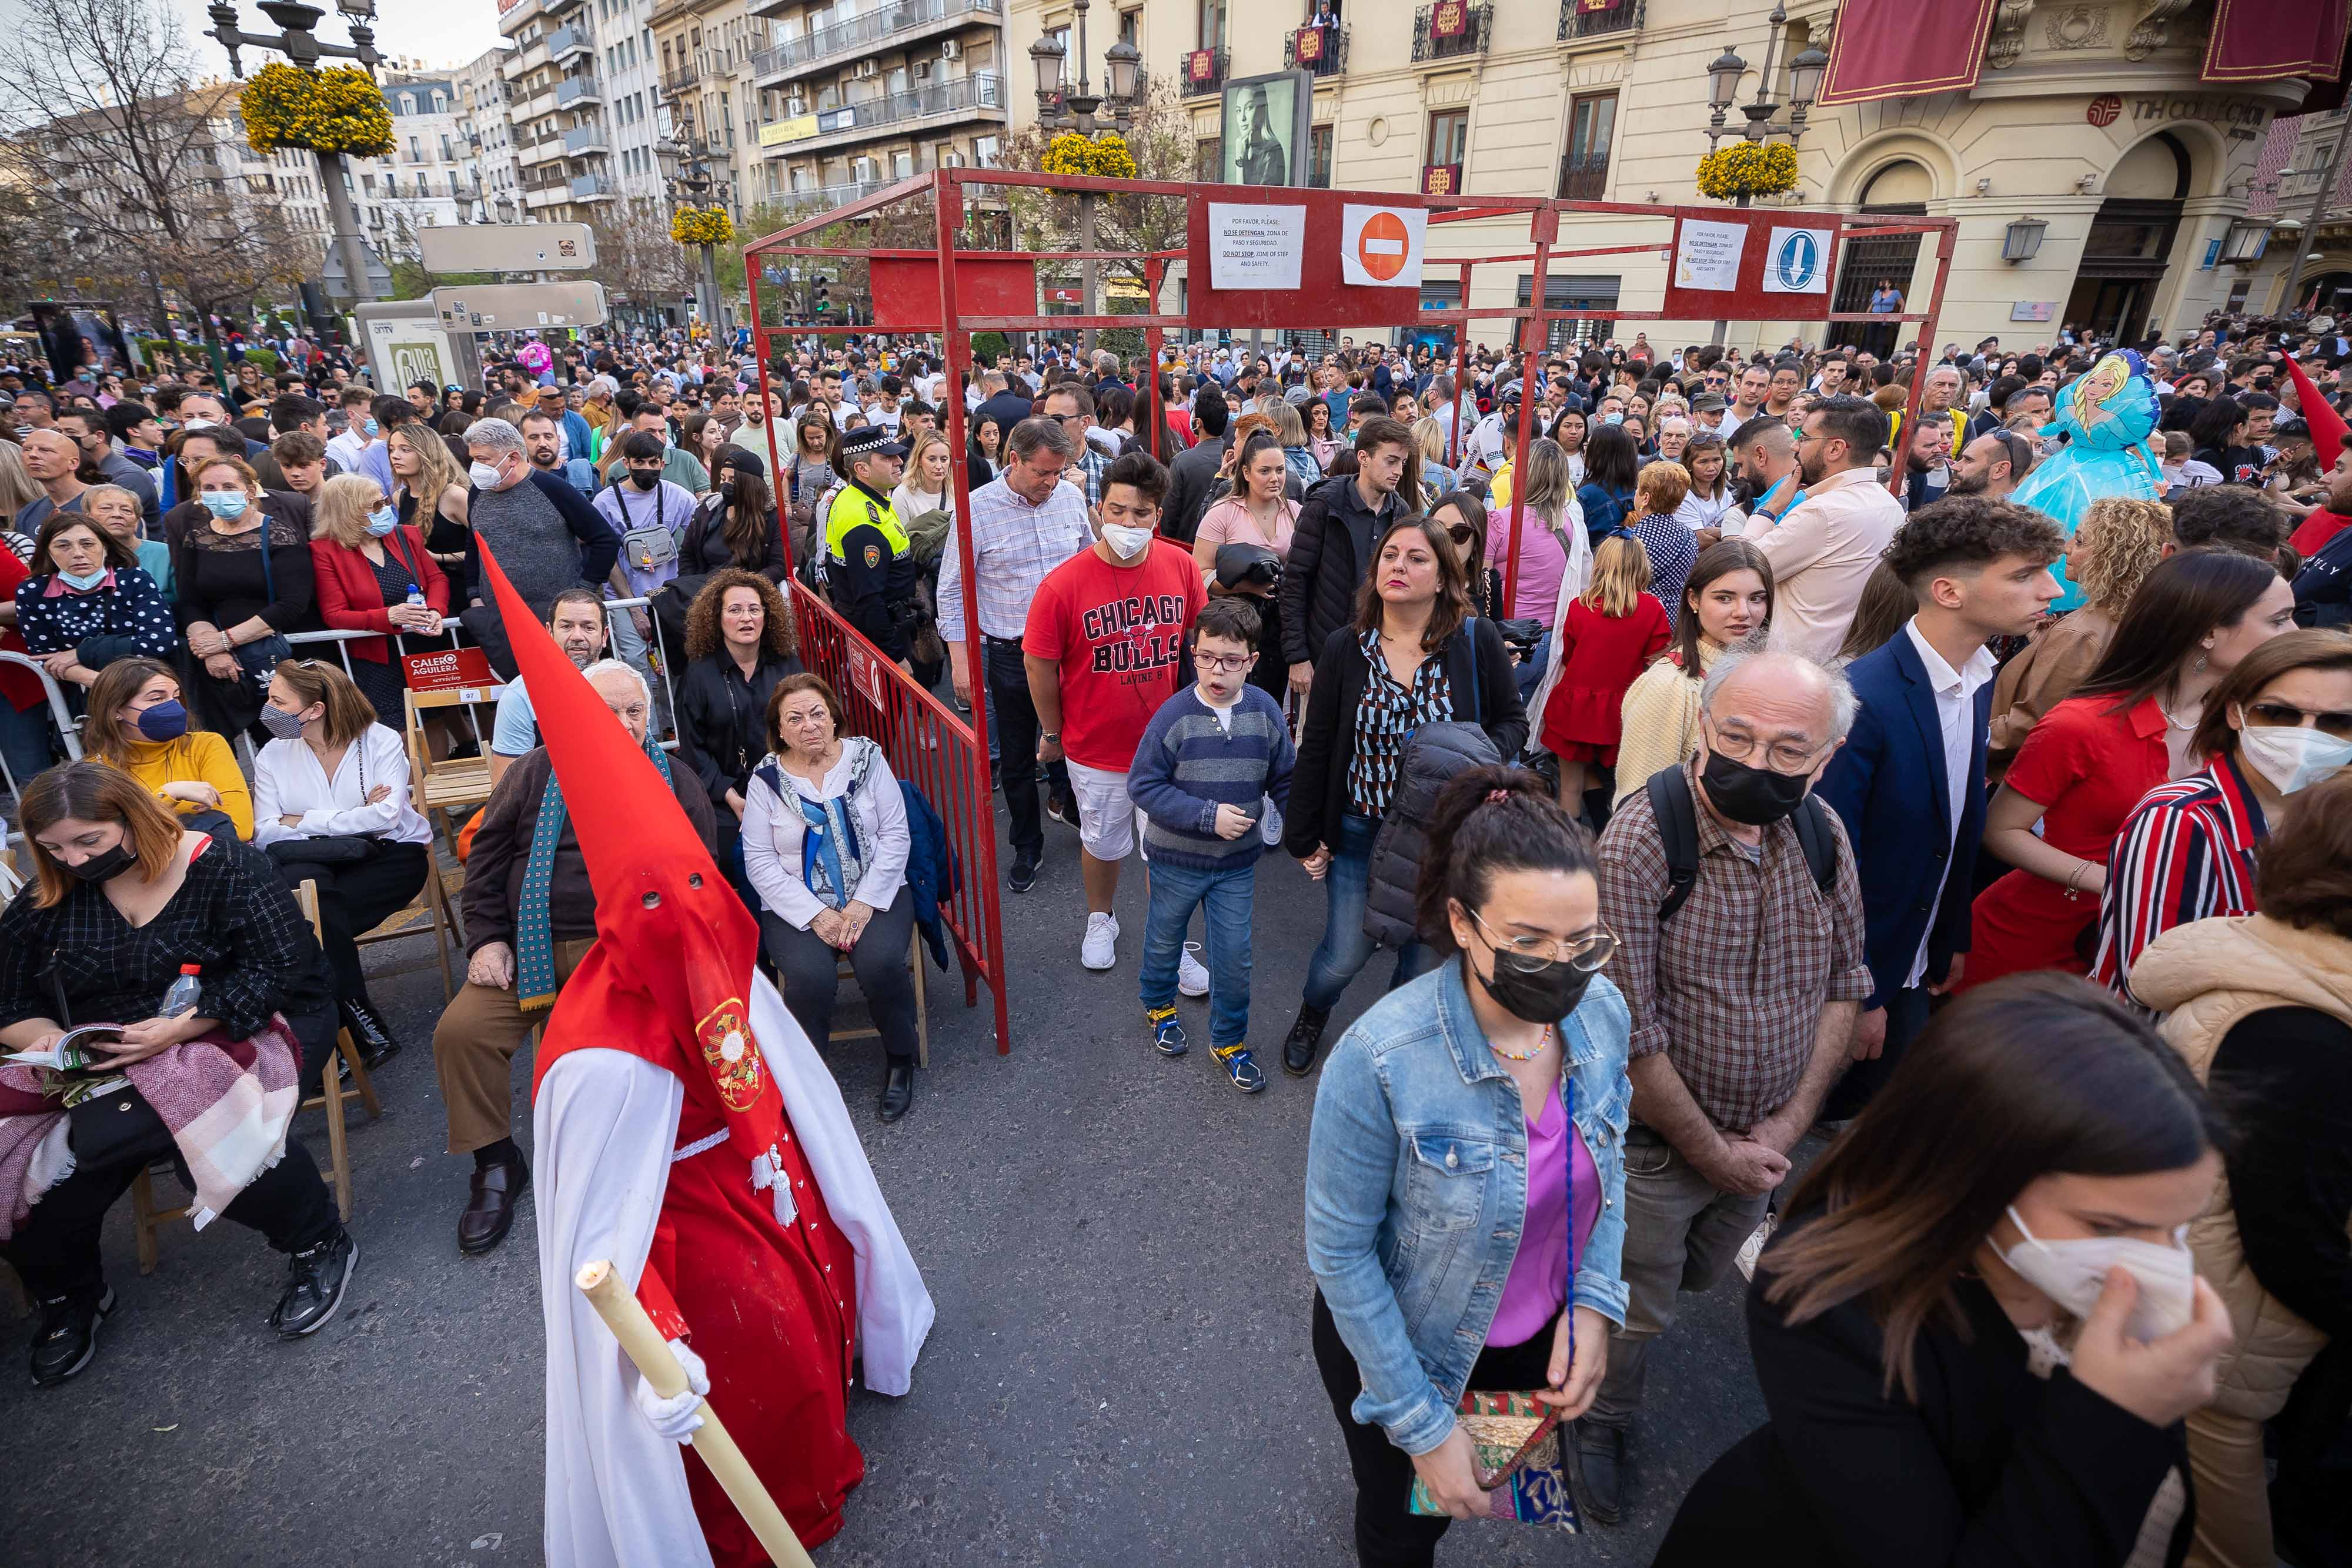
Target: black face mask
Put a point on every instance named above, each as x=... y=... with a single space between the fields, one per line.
x=1755 y=796
x=1538 y=990
x=103 y=866
x=645 y=479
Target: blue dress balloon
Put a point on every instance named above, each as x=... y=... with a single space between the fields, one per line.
x=2106 y=417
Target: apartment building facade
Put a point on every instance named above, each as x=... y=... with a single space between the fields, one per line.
x=556 y=104
x=859 y=93
x=703 y=54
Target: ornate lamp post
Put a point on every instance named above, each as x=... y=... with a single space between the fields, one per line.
x=300 y=44
x=1058 y=109
x=688 y=165
x=1724 y=74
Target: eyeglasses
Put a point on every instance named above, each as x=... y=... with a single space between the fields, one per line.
x=1224 y=663
x=1585 y=954
x=2287 y=716
x=1781 y=755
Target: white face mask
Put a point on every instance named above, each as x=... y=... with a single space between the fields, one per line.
x=2073 y=1272
x=485 y=477
x=1127 y=544
x=2291 y=759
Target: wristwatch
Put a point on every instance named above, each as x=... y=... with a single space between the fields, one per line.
x=1053 y=735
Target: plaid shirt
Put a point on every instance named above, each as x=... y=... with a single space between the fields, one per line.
x=1732 y=987
x=1087 y=469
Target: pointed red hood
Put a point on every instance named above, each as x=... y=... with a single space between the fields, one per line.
x=672 y=967
x=2327 y=427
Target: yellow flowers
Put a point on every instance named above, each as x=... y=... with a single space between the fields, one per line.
x=1105 y=157
x=1745 y=168
x=702 y=225
x=338 y=110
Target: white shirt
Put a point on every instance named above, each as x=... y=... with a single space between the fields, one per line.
x=774 y=829
x=1956 y=693
x=1823 y=552
x=289 y=782
x=346 y=448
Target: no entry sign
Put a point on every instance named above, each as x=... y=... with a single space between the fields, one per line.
x=1381 y=247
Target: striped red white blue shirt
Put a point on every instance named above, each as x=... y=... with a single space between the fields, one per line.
x=2185 y=852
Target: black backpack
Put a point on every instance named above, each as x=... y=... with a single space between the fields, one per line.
x=1677 y=818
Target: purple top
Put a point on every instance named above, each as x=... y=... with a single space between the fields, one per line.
x=1537 y=1287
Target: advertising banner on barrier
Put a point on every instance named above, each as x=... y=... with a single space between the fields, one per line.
x=1736 y=264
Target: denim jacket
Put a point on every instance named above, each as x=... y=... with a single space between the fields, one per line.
x=1417 y=1189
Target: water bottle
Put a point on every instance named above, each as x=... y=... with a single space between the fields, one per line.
x=181 y=1000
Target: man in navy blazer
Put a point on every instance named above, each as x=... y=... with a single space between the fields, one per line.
x=1909 y=783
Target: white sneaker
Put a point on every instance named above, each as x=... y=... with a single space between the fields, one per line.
x=1097 y=952
x=1270 y=822
x=1192 y=978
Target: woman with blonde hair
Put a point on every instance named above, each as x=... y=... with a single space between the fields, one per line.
x=2117 y=544
x=331 y=805
x=1306 y=463
x=1726 y=600
x=374 y=574
x=1555 y=553
x=118 y=511
x=1606 y=637
x=17 y=489
x=429 y=491
x=1436 y=478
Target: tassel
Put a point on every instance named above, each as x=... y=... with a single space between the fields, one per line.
x=767 y=1172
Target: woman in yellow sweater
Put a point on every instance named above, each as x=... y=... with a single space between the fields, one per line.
x=1728 y=598
x=138 y=723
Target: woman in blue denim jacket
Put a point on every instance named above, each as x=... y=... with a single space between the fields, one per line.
x=1447 y=1203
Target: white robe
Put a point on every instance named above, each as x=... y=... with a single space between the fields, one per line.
x=616 y=1492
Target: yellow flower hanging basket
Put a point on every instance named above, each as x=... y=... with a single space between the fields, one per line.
x=1104 y=157
x=702 y=225
x=1747 y=169
x=338 y=110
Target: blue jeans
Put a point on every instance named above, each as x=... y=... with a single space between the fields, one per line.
x=1225 y=898
x=1345 y=949
x=25 y=740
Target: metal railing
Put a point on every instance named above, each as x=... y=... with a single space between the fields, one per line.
x=572 y=89
x=1201 y=72
x=585 y=139
x=1578 y=19
x=1330 y=61
x=859 y=35
x=586 y=186
x=563 y=41
x=982 y=91
x=69 y=729
x=1583 y=177
x=679 y=76
x=1478 y=22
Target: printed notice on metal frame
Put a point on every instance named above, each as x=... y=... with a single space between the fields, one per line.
x=1709 y=255
x=1255 y=244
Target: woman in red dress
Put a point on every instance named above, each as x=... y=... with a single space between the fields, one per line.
x=1607 y=635
x=2089 y=761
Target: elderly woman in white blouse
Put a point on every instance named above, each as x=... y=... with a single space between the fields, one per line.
x=826 y=846
x=331 y=805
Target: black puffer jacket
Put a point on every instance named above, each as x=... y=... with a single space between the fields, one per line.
x=1436 y=753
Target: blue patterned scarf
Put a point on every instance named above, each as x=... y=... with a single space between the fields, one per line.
x=535 y=979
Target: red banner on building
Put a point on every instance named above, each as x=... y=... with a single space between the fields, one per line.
x=1307 y=46
x=1894 y=48
x=2270 y=40
x=1451 y=20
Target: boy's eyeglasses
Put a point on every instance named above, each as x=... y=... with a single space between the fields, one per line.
x=1224 y=663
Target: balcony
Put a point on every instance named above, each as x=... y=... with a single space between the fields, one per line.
x=582 y=139
x=592 y=188
x=539 y=198
x=530 y=154
x=536 y=107
x=568 y=41
x=1584 y=176
x=1322 y=51
x=1451 y=29
x=526 y=58
x=824 y=198
x=1203 y=72
x=1441 y=179
x=894 y=23
x=965 y=98
x=679 y=78
x=1597 y=18
x=576 y=90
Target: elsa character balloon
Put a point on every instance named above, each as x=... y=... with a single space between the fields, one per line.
x=2106 y=417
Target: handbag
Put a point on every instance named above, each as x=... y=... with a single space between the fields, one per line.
x=329 y=848
x=1514 y=1438
x=112 y=1129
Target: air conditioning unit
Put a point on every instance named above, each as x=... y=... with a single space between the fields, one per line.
x=952 y=49
x=922 y=70
x=951 y=159
x=867 y=68
x=796 y=106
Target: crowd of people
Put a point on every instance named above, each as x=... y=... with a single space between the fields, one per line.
x=1750 y=771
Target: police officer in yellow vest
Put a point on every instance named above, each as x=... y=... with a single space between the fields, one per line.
x=869 y=560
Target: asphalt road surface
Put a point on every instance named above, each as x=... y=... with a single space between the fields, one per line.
x=1120 y=1372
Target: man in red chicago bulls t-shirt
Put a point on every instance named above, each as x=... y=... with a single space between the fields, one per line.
x=1105 y=647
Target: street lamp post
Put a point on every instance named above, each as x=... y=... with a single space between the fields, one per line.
x=300 y=44
x=1723 y=75
x=1061 y=110
x=687 y=163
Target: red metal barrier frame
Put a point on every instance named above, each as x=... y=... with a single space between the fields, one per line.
x=925 y=739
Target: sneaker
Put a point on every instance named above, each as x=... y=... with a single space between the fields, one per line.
x=68 y=1337
x=317 y=1277
x=1270 y=823
x=1098 y=951
x=1235 y=1061
x=1023 y=874
x=1167 y=1033
x=1062 y=808
x=1192 y=978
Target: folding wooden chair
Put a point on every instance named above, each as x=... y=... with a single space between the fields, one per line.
x=147 y=1218
x=442 y=785
x=432 y=907
x=922 y=1006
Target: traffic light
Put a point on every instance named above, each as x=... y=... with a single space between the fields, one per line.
x=820 y=300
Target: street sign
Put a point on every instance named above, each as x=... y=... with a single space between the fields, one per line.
x=519 y=306
x=507 y=247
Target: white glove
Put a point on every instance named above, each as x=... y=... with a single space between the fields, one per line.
x=677 y=1419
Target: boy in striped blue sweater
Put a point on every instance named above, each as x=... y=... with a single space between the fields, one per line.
x=1209 y=757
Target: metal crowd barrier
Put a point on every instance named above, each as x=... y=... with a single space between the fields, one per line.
x=68 y=731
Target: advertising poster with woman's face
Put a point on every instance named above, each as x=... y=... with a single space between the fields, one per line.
x=1261 y=132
